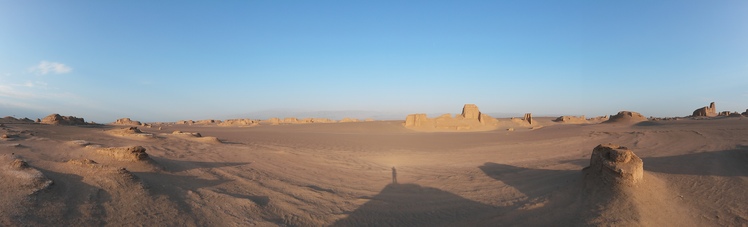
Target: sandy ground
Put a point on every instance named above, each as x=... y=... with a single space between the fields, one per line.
x=341 y=174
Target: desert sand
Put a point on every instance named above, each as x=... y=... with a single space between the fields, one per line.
x=679 y=172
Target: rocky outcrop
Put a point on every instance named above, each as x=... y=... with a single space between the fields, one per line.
x=729 y=114
x=132 y=153
x=272 y=121
x=239 y=122
x=207 y=122
x=745 y=113
x=598 y=119
x=528 y=118
x=126 y=121
x=470 y=111
x=416 y=120
x=615 y=165
x=290 y=120
x=470 y=119
x=626 y=117
x=707 y=111
x=56 y=119
x=571 y=120
x=318 y=120
x=344 y=120
x=185 y=122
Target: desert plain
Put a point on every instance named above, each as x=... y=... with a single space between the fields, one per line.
x=411 y=172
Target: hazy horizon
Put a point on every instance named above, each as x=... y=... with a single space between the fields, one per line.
x=169 y=60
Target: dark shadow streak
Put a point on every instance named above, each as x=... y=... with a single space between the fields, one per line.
x=531 y=182
x=414 y=205
x=70 y=190
x=728 y=163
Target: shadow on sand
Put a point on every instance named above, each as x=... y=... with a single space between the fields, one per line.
x=415 y=205
x=531 y=182
x=554 y=197
x=727 y=163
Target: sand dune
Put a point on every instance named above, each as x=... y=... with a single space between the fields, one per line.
x=341 y=174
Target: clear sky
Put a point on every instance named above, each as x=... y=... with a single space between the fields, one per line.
x=172 y=60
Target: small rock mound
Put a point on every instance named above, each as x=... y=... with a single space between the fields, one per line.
x=27 y=178
x=132 y=153
x=126 y=121
x=615 y=165
x=120 y=182
x=131 y=132
x=56 y=119
x=19 y=164
x=626 y=117
x=185 y=122
x=196 y=136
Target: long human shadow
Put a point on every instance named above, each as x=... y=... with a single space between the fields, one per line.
x=415 y=205
x=727 y=163
x=531 y=182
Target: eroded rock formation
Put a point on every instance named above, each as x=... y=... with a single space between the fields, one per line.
x=626 y=117
x=56 y=119
x=572 y=119
x=707 y=111
x=132 y=153
x=126 y=121
x=528 y=118
x=614 y=164
x=239 y=122
x=470 y=119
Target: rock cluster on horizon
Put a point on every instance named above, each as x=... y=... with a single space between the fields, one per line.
x=707 y=111
x=126 y=121
x=470 y=119
x=572 y=119
x=56 y=119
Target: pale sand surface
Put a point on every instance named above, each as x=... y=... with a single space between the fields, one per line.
x=696 y=174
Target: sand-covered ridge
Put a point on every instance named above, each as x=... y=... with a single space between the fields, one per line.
x=695 y=172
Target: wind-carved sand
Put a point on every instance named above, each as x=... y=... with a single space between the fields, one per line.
x=684 y=171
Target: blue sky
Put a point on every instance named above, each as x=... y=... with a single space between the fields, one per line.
x=172 y=60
